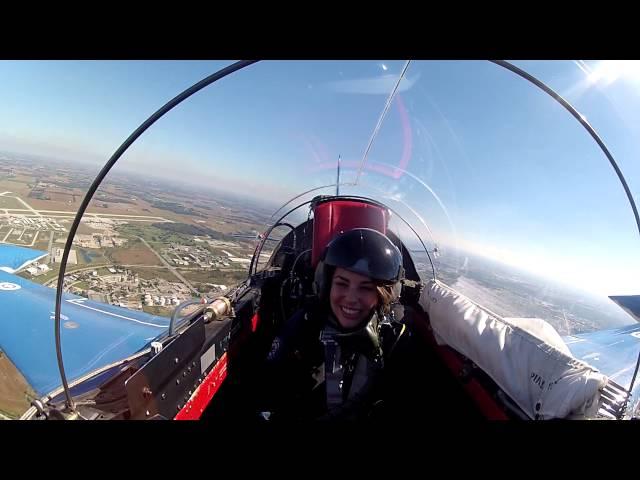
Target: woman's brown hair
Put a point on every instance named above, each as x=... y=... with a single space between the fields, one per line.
x=385 y=297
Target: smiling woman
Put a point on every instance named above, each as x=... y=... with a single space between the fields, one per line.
x=352 y=298
x=341 y=335
x=488 y=185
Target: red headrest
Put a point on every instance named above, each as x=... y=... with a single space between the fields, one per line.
x=333 y=216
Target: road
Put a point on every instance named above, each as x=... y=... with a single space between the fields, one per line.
x=171 y=269
x=28 y=206
x=48 y=257
x=133 y=265
x=7 y=235
x=39 y=213
x=35 y=238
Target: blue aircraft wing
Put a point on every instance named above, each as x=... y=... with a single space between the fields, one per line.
x=13 y=257
x=614 y=352
x=93 y=334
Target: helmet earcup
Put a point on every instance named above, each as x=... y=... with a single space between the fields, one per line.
x=396 y=290
x=318 y=280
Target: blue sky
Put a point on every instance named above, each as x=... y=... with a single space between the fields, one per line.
x=519 y=178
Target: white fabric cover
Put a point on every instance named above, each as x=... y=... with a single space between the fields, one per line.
x=526 y=357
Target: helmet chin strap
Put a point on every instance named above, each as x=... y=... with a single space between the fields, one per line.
x=332 y=320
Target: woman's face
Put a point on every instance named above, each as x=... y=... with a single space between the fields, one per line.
x=352 y=297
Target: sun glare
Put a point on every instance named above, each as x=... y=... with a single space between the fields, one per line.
x=608 y=71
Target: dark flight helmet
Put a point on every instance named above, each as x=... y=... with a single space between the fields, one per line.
x=364 y=251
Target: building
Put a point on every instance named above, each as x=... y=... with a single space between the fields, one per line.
x=239 y=260
x=57 y=256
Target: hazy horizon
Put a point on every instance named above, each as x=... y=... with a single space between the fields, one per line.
x=467 y=151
